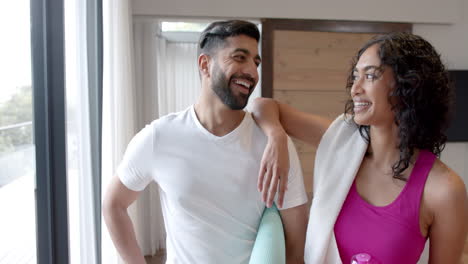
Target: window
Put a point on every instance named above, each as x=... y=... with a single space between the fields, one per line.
x=17 y=148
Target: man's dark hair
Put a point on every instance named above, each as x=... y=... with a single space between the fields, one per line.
x=215 y=34
x=422 y=99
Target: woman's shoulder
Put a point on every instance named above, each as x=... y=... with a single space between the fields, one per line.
x=444 y=187
x=446 y=206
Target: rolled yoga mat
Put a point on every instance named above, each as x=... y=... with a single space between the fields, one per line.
x=269 y=246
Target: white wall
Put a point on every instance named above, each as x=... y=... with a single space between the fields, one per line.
x=442 y=22
x=451 y=40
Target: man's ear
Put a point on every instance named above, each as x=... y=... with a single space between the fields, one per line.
x=204 y=64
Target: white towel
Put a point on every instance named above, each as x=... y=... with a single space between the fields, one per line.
x=338 y=158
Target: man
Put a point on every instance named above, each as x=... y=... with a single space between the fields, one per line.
x=206 y=161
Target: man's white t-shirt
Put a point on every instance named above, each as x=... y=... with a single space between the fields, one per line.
x=208 y=185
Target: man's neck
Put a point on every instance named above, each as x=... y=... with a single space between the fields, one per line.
x=216 y=117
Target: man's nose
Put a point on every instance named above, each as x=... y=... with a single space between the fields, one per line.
x=251 y=69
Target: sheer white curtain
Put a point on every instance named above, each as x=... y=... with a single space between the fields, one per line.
x=118 y=111
x=82 y=228
x=179 y=74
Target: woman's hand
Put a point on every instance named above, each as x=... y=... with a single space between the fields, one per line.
x=275 y=119
x=274 y=169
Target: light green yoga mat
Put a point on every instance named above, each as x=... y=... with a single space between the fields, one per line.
x=269 y=247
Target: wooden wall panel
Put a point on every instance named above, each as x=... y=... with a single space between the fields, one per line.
x=313 y=60
x=309 y=72
x=326 y=104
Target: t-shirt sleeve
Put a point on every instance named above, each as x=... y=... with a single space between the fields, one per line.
x=295 y=194
x=134 y=171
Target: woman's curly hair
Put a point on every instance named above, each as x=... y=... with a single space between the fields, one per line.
x=423 y=96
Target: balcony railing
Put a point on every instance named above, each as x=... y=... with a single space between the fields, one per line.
x=24 y=124
x=20 y=160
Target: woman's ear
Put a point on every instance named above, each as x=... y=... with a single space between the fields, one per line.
x=204 y=64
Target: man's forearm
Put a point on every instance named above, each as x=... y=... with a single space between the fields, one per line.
x=122 y=233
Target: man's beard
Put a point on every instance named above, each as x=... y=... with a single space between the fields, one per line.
x=221 y=86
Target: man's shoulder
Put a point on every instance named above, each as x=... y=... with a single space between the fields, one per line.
x=172 y=119
x=254 y=132
x=255 y=127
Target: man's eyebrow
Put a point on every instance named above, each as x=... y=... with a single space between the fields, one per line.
x=247 y=52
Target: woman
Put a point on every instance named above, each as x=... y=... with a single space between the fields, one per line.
x=379 y=187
